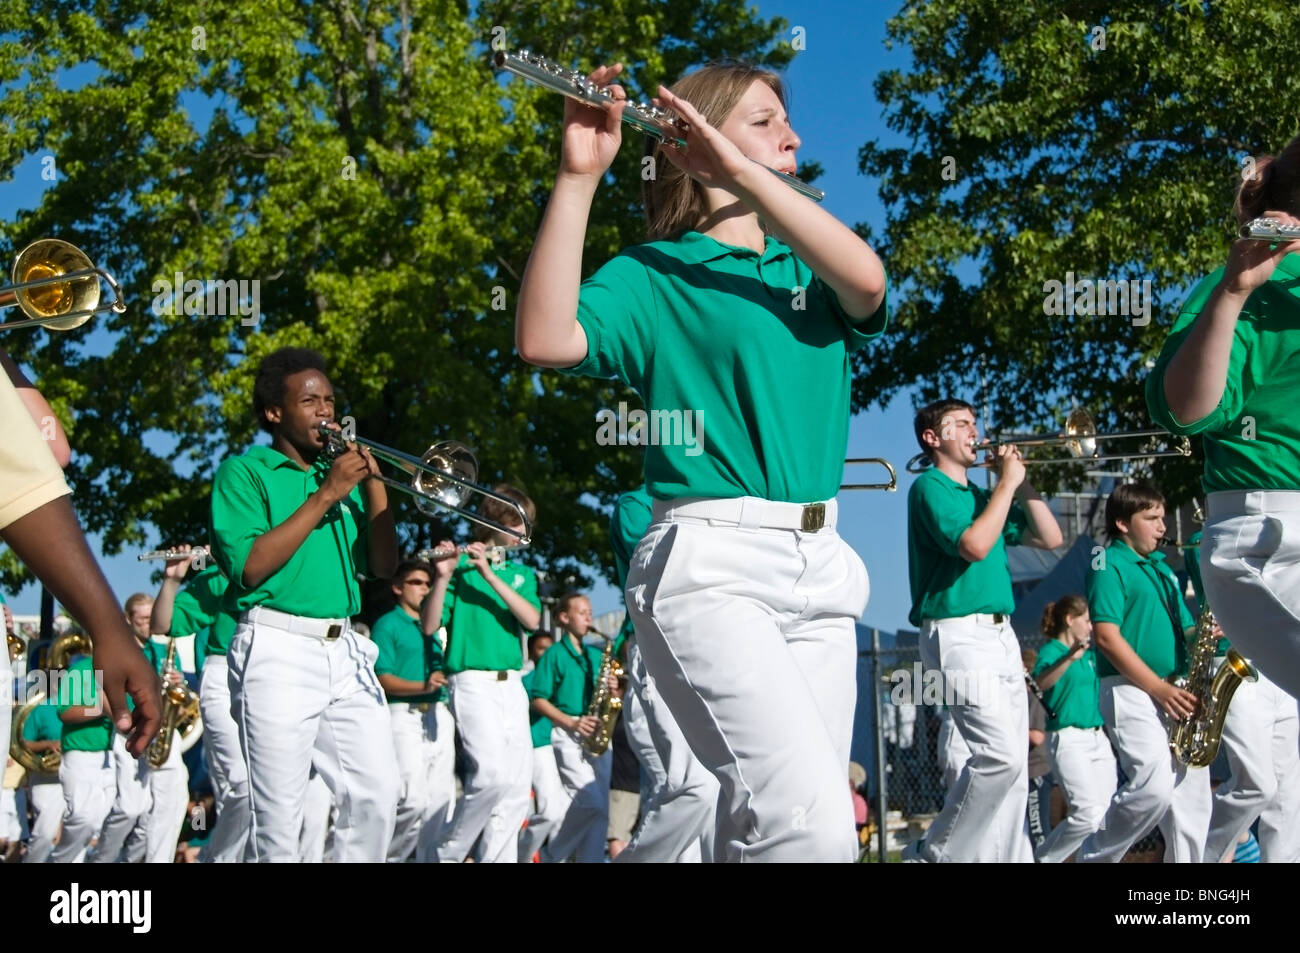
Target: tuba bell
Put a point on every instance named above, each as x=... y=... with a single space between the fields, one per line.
x=46 y=762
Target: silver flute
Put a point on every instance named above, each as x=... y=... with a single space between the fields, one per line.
x=1269 y=230
x=643 y=116
x=198 y=552
x=496 y=555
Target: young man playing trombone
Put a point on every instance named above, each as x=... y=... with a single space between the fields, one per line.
x=293 y=530
x=962 y=602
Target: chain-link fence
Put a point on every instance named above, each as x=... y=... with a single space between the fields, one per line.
x=905 y=786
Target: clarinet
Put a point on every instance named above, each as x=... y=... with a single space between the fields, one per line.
x=642 y=116
x=1269 y=230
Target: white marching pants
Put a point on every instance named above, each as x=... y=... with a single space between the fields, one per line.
x=1251 y=571
x=491 y=714
x=426 y=760
x=316 y=810
x=551 y=803
x=131 y=803
x=226 y=767
x=1261 y=737
x=1084 y=766
x=748 y=632
x=155 y=837
x=1159 y=790
x=985 y=812
x=46 y=800
x=89 y=783
x=678 y=814
x=304 y=701
x=953 y=750
x=585 y=777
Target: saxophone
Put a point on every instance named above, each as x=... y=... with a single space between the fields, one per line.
x=1195 y=740
x=180 y=712
x=605 y=705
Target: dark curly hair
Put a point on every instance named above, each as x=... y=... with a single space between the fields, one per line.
x=268 y=388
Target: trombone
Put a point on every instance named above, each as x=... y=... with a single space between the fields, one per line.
x=891 y=486
x=56 y=285
x=1080 y=439
x=443 y=478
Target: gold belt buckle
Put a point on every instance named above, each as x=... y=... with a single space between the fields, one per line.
x=333 y=632
x=422 y=707
x=502 y=676
x=814 y=517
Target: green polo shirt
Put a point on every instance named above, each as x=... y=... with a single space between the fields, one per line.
x=538 y=724
x=405 y=651
x=43 y=724
x=1141 y=597
x=755 y=348
x=261 y=490
x=1252 y=438
x=482 y=633
x=197 y=609
x=565 y=676
x=944 y=585
x=81 y=690
x=1075 y=696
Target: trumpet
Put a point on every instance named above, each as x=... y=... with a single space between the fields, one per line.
x=198 y=552
x=651 y=120
x=496 y=555
x=441 y=479
x=1080 y=439
x=891 y=486
x=56 y=285
x=16 y=647
x=1269 y=230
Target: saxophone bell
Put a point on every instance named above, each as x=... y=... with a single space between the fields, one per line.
x=1195 y=740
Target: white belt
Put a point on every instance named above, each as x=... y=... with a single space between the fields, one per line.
x=326 y=629
x=749 y=512
x=1226 y=503
x=979 y=618
x=493 y=675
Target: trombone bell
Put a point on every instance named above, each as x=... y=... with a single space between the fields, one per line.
x=57 y=286
x=429 y=482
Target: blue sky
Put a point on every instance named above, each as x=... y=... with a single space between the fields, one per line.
x=834 y=111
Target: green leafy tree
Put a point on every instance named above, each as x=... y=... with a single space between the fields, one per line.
x=1044 y=138
x=363 y=164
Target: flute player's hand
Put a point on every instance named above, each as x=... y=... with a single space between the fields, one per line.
x=593 y=134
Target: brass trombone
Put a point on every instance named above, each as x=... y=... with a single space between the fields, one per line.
x=57 y=286
x=442 y=479
x=1080 y=439
x=891 y=486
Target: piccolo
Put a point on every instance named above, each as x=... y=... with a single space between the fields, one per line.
x=496 y=555
x=198 y=552
x=649 y=119
x=1269 y=230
